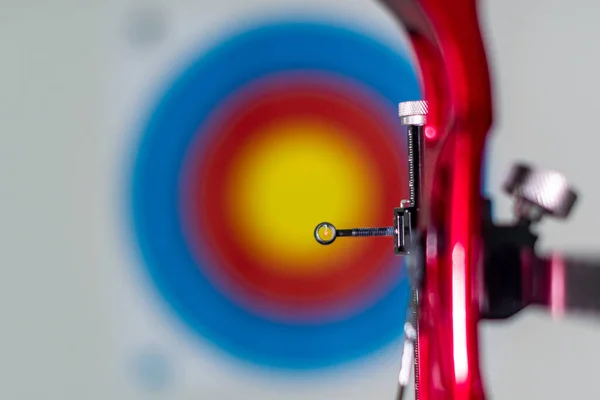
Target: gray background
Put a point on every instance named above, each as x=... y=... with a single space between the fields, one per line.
x=57 y=60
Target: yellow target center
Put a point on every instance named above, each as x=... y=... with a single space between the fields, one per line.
x=292 y=176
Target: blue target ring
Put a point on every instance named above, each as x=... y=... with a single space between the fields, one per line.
x=157 y=214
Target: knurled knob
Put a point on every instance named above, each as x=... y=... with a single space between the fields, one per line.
x=413 y=112
x=546 y=189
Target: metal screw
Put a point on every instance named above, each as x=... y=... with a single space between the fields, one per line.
x=413 y=114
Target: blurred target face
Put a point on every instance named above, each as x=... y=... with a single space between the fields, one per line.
x=287 y=153
x=256 y=155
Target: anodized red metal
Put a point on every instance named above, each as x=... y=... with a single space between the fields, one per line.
x=447 y=42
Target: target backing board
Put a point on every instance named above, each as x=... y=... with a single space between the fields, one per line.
x=243 y=128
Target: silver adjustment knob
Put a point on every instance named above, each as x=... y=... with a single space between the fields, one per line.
x=539 y=192
x=413 y=112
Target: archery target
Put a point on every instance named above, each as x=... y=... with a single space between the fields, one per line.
x=273 y=130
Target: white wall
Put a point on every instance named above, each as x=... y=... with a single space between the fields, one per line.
x=57 y=66
x=545 y=64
